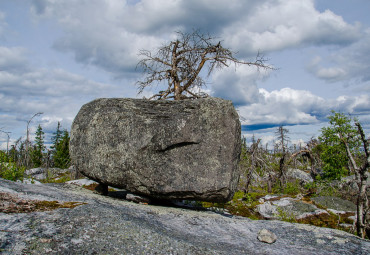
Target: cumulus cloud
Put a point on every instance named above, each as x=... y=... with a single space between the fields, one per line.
x=56 y=92
x=94 y=33
x=238 y=84
x=280 y=24
x=164 y=16
x=109 y=34
x=292 y=107
x=13 y=59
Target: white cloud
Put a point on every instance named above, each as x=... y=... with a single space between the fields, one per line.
x=291 y=107
x=94 y=33
x=109 y=34
x=165 y=16
x=13 y=59
x=238 y=84
x=280 y=24
x=55 y=92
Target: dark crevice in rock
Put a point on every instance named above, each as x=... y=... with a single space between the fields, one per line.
x=177 y=145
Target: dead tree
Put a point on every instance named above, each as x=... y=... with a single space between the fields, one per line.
x=307 y=152
x=28 y=142
x=251 y=169
x=181 y=61
x=283 y=139
x=7 y=142
x=363 y=208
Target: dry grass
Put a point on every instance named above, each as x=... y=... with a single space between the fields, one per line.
x=10 y=203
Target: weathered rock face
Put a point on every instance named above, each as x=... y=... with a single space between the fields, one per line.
x=107 y=225
x=165 y=149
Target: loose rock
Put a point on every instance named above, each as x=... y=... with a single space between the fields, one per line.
x=266 y=236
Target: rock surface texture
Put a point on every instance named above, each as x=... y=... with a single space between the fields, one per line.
x=108 y=225
x=185 y=149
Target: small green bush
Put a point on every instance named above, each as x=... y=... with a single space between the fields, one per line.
x=292 y=188
x=9 y=170
x=285 y=216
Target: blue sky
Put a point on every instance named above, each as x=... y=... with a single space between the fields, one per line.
x=56 y=55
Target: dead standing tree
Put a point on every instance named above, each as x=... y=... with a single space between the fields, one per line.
x=283 y=139
x=308 y=152
x=181 y=61
x=251 y=154
x=28 y=142
x=363 y=206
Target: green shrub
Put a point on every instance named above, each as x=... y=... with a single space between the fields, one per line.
x=285 y=216
x=9 y=170
x=292 y=188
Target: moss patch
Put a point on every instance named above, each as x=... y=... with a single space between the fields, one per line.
x=52 y=205
x=10 y=203
x=241 y=205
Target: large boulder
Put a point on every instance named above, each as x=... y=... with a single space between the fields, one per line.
x=185 y=149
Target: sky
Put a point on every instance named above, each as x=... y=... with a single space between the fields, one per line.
x=56 y=55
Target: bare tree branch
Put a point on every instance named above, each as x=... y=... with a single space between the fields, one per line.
x=181 y=61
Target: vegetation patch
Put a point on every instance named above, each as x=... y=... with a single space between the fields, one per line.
x=10 y=170
x=241 y=205
x=59 y=178
x=10 y=203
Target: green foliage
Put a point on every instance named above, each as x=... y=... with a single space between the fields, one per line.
x=241 y=204
x=38 y=148
x=61 y=155
x=323 y=188
x=56 y=137
x=292 y=188
x=238 y=195
x=332 y=148
x=60 y=148
x=9 y=170
x=285 y=216
x=335 y=161
x=60 y=178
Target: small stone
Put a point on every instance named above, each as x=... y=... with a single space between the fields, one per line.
x=266 y=236
x=45 y=240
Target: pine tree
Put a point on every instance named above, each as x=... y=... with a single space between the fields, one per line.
x=56 y=138
x=38 y=148
x=61 y=156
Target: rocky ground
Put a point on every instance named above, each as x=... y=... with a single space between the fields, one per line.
x=97 y=224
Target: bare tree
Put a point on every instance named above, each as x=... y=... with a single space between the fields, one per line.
x=308 y=153
x=7 y=142
x=28 y=143
x=252 y=153
x=361 y=178
x=181 y=61
x=283 y=139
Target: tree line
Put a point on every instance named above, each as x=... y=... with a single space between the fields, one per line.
x=25 y=154
x=341 y=150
